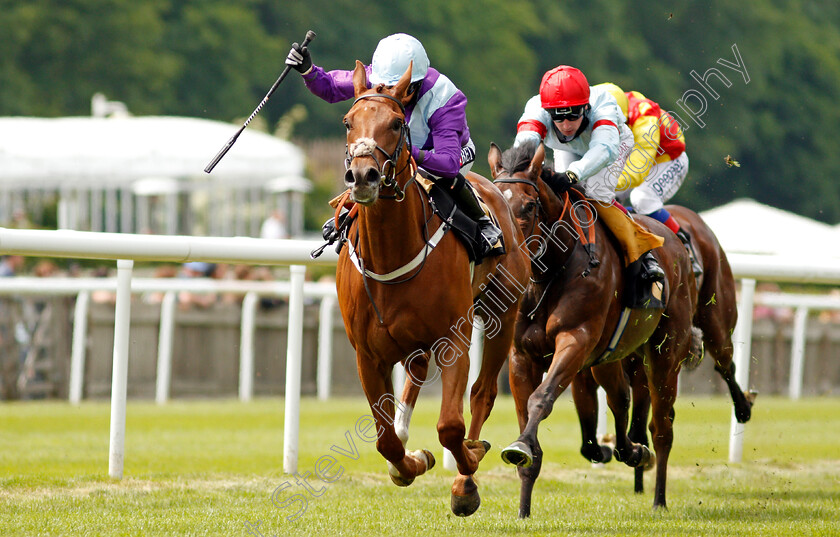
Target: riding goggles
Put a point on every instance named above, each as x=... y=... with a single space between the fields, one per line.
x=571 y=113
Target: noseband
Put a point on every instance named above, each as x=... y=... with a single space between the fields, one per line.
x=361 y=149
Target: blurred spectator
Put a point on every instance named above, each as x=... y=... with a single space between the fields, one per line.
x=274 y=227
x=20 y=220
x=197 y=269
x=45 y=269
x=163 y=271
x=10 y=265
x=831 y=316
x=103 y=296
x=778 y=314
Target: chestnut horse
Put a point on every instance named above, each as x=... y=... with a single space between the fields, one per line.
x=409 y=293
x=715 y=316
x=569 y=314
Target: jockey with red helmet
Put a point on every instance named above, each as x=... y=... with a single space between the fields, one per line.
x=436 y=116
x=585 y=127
x=657 y=164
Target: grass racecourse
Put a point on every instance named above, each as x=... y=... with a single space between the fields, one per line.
x=211 y=467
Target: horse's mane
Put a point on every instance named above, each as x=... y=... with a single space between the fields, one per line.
x=518 y=158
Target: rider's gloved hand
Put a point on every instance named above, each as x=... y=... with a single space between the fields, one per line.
x=299 y=59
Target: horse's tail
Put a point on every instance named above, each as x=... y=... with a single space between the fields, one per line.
x=695 y=350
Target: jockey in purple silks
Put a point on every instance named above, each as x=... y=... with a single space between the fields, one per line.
x=436 y=116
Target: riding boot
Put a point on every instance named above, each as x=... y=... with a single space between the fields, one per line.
x=636 y=241
x=686 y=240
x=490 y=234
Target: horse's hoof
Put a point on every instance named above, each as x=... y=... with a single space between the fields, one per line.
x=606 y=454
x=519 y=454
x=649 y=462
x=399 y=480
x=744 y=413
x=478 y=447
x=430 y=459
x=468 y=503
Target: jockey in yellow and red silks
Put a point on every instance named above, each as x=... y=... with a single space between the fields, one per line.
x=657 y=165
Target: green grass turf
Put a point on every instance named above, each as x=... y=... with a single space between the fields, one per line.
x=208 y=467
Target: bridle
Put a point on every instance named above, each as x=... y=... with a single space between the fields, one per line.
x=549 y=277
x=532 y=184
x=388 y=178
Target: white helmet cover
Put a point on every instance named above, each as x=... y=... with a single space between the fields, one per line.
x=392 y=56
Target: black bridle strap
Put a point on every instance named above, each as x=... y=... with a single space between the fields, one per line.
x=514 y=180
x=384 y=95
x=405 y=141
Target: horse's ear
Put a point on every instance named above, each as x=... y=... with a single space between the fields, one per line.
x=401 y=87
x=360 y=78
x=494 y=158
x=537 y=162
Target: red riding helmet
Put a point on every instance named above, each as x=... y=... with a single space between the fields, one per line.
x=563 y=87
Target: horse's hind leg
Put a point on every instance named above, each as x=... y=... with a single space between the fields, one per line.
x=662 y=368
x=585 y=394
x=717 y=324
x=635 y=371
x=611 y=377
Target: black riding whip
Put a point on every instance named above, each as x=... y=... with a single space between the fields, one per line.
x=310 y=35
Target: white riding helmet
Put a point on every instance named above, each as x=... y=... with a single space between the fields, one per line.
x=392 y=56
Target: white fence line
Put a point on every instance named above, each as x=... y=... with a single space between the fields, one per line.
x=83 y=287
x=125 y=247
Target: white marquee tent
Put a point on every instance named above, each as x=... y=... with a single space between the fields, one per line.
x=146 y=174
x=746 y=226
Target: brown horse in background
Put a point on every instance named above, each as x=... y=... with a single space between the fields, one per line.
x=569 y=312
x=408 y=292
x=716 y=316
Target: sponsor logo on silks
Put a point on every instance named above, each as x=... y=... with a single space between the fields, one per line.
x=467 y=155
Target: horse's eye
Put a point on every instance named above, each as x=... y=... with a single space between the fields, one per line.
x=346 y=124
x=397 y=124
x=529 y=207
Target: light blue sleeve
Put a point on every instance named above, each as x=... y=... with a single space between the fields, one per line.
x=604 y=143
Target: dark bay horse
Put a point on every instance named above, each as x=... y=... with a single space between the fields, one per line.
x=569 y=314
x=408 y=292
x=715 y=316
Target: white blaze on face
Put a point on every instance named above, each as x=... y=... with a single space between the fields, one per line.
x=508 y=194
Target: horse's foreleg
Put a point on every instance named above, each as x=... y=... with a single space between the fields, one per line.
x=452 y=430
x=524 y=376
x=403 y=466
x=585 y=395
x=568 y=358
x=415 y=375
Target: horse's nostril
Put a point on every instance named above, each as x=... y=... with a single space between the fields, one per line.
x=349 y=178
x=372 y=176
